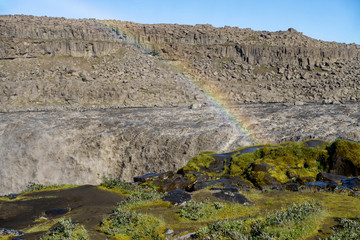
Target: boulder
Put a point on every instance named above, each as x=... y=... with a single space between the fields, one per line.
x=344 y=158
x=233 y=197
x=329 y=177
x=177 y=197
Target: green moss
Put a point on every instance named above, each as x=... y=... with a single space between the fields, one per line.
x=202 y=161
x=289 y=159
x=241 y=163
x=346 y=150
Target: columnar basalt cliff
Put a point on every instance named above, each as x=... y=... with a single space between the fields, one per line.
x=255 y=66
x=27 y=37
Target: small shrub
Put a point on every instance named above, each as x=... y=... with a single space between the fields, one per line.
x=347 y=229
x=132 y=225
x=198 y=210
x=67 y=230
x=294 y=213
x=141 y=194
x=31 y=187
x=34 y=187
x=113 y=183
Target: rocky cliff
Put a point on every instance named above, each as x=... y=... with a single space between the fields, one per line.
x=254 y=66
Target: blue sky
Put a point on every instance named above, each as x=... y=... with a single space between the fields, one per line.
x=330 y=20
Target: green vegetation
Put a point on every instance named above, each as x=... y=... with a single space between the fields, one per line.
x=347 y=229
x=295 y=222
x=284 y=163
x=198 y=210
x=346 y=150
x=117 y=184
x=200 y=162
x=31 y=187
x=126 y=224
x=66 y=229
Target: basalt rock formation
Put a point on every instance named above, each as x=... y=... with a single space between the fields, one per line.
x=254 y=66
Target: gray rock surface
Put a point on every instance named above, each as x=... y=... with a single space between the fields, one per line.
x=82 y=147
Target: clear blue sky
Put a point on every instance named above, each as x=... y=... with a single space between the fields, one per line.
x=330 y=20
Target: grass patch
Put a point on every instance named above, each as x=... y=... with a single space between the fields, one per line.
x=295 y=222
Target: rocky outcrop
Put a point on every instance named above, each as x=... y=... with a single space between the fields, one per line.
x=242 y=65
x=27 y=37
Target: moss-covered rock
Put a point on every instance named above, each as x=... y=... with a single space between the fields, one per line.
x=344 y=158
x=290 y=162
x=199 y=163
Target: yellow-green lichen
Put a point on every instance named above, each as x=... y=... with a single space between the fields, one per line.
x=345 y=150
x=202 y=161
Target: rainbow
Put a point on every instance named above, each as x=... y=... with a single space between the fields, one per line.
x=232 y=115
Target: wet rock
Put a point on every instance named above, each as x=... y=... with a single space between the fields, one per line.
x=315 y=143
x=154 y=176
x=233 y=197
x=227 y=189
x=56 y=212
x=10 y=232
x=179 y=182
x=329 y=177
x=315 y=186
x=292 y=187
x=353 y=183
x=262 y=167
x=177 y=197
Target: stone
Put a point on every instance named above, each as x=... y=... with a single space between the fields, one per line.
x=154 y=176
x=299 y=103
x=10 y=232
x=315 y=143
x=292 y=187
x=353 y=183
x=233 y=197
x=177 y=197
x=329 y=177
x=179 y=182
x=344 y=158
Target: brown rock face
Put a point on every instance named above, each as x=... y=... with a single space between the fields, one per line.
x=250 y=66
x=28 y=37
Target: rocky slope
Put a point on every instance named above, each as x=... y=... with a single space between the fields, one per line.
x=52 y=63
x=254 y=66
